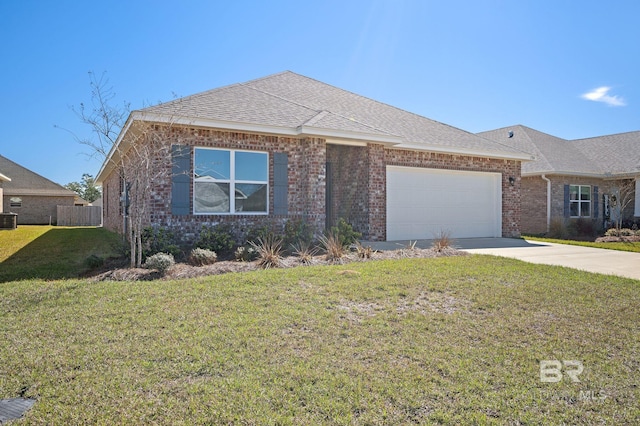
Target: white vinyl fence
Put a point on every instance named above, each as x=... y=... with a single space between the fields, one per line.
x=79 y=215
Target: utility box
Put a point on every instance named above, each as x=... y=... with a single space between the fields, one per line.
x=8 y=220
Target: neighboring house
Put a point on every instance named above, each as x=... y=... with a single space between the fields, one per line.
x=571 y=179
x=33 y=197
x=291 y=147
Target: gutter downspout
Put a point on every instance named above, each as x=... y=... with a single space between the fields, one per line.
x=548 y=200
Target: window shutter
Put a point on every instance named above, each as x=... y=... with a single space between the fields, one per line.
x=180 y=179
x=567 y=210
x=596 y=203
x=280 y=183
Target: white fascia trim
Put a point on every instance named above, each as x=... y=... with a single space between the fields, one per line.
x=4 y=178
x=343 y=134
x=594 y=175
x=467 y=152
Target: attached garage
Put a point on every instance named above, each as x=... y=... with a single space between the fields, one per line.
x=422 y=203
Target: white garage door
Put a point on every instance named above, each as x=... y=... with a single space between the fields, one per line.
x=422 y=203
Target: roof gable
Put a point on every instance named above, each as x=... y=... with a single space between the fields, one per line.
x=25 y=182
x=600 y=156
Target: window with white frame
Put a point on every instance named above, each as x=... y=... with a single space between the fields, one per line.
x=218 y=173
x=15 y=202
x=579 y=200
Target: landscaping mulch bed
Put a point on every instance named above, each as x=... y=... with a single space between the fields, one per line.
x=118 y=271
x=628 y=239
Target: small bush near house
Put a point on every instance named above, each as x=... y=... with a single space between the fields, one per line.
x=624 y=232
x=246 y=254
x=333 y=246
x=218 y=238
x=585 y=228
x=557 y=229
x=269 y=251
x=304 y=251
x=160 y=240
x=202 y=257
x=257 y=233
x=160 y=262
x=296 y=230
x=363 y=252
x=345 y=233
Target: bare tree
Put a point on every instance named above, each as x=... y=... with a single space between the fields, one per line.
x=141 y=156
x=622 y=196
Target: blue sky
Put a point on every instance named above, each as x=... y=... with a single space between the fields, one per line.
x=568 y=68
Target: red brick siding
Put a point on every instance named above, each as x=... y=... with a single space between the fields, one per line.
x=306 y=192
x=534 y=205
x=358 y=183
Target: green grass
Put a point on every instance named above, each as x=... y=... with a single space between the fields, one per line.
x=46 y=252
x=417 y=341
x=622 y=246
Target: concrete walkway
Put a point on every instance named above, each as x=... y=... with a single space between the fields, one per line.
x=610 y=262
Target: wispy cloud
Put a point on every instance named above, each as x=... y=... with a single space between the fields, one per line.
x=601 y=95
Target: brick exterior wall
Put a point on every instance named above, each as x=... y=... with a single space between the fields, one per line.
x=534 y=200
x=534 y=204
x=358 y=184
x=36 y=209
x=306 y=191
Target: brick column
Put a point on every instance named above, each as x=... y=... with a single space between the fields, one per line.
x=377 y=191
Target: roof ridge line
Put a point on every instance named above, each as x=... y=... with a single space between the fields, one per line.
x=246 y=84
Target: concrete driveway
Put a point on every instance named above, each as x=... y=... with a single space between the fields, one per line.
x=611 y=262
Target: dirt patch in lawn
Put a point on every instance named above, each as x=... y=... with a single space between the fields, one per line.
x=117 y=271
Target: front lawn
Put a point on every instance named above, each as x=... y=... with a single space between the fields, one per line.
x=453 y=340
x=52 y=252
x=615 y=245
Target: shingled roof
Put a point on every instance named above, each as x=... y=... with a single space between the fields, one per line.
x=25 y=182
x=603 y=156
x=292 y=104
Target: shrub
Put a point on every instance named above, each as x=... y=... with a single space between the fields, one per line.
x=159 y=240
x=201 y=257
x=218 y=238
x=612 y=232
x=246 y=254
x=295 y=231
x=160 y=262
x=363 y=252
x=269 y=251
x=257 y=233
x=333 y=246
x=93 y=262
x=442 y=241
x=557 y=229
x=345 y=233
x=304 y=251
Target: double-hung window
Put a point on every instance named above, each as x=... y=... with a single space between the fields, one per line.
x=579 y=200
x=230 y=181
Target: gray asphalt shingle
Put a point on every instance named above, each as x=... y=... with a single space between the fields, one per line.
x=603 y=155
x=289 y=100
